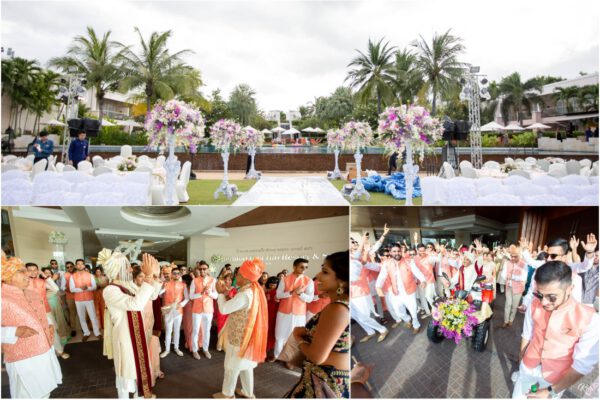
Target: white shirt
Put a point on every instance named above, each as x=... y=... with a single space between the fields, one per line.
x=585 y=355
x=212 y=292
x=306 y=296
x=383 y=274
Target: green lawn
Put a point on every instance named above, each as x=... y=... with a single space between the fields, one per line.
x=377 y=199
x=202 y=191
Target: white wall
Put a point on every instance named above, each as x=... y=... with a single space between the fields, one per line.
x=31 y=240
x=277 y=244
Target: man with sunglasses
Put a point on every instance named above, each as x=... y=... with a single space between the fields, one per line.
x=202 y=294
x=557 y=251
x=559 y=343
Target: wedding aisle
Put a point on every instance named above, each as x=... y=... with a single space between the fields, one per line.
x=292 y=191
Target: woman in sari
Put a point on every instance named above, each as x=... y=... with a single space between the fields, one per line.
x=272 y=306
x=101 y=283
x=61 y=326
x=325 y=340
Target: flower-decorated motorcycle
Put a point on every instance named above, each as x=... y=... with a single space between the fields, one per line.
x=463 y=314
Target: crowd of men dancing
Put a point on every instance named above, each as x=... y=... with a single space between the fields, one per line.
x=131 y=306
x=553 y=286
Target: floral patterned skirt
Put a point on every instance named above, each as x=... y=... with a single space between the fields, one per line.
x=321 y=381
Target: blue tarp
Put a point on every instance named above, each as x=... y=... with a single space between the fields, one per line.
x=392 y=185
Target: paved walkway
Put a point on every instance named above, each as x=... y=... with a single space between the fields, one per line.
x=87 y=374
x=409 y=366
x=296 y=191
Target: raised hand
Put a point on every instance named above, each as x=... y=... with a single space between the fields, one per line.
x=591 y=243
x=149 y=265
x=386 y=230
x=523 y=243
x=574 y=243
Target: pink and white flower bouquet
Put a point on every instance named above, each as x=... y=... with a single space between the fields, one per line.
x=226 y=134
x=357 y=134
x=336 y=139
x=177 y=118
x=252 y=138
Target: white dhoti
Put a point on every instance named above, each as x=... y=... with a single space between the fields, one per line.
x=409 y=302
x=172 y=329
x=201 y=321
x=377 y=304
x=83 y=307
x=284 y=326
x=235 y=367
x=35 y=377
x=360 y=310
x=527 y=378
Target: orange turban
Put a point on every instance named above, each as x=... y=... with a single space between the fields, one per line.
x=252 y=269
x=254 y=338
x=10 y=266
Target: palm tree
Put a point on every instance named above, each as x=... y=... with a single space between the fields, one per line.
x=407 y=78
x=18 y=76
x=567 y=95
x=587 y=97
x=438 y=62
x=43 y=95
x=242 y=103
x=160 y=73
x=97 y=60
x=372 y=72
x=517 y=95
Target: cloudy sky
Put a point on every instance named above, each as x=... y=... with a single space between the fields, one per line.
x=291 y=52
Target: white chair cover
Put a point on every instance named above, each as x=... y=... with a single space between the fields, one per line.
x=509 y=160
x=85 y=166
x=558 y=170
x=468 y=172
x=104 y=199
x=160 y=161
x=144 y=159
x=143 y=168
x=574 y=180
x=545 y=200
x=499 y=188
x=499 y=199
x=9 y=167
x=60 y=167
x=519 y=172
x=30 y=158
x=158 y=195
x=182 y=182
x=14 y=174
x=530 y=160
x=573 y=167
x=491 y=164
x=543 y=164
x=97 y=161
x=515 y=180
x=9 y=158
x=460 y=191
x=545 y=180
x=586 y=162
x=68 y=168
x=448 y=171
x=56 y=198
x=38 y=167
x=77 y=177
x=433 y=189
x=586 y=172
x=126 y=151
x=102 y=170
x=590 y=200
x=51 y=185
x=529 y=189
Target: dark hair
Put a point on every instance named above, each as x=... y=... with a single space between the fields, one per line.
x=553 y=271
x=30 y=264
x=559 y=242
x=175 y=269
x=271 y=280
x=136 y=271
x=542 y=255
x=398 y=245
x=281 y=273
x=46 y=269
x=301 y=260
x=340 y=263
x=43 y=133
x=420 y=245
x=227 y=265
x=69 y=262
x=54 y=261
x=102 y=269
x=187 y=279
x=80 y=259
x=202 y=262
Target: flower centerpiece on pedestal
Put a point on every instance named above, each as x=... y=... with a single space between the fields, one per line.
x=251 y=139
x=335 y=142
x=409 y=128
x=226 y=134
x=357 y=134
x=59 y=241
x=128 y=164
x=455 y=318
x=170 y=124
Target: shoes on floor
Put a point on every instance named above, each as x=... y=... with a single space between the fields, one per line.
x=196 y=355
x=164 y=353
x=367 y=338
x=207 y=354
x=178 y=352
x=382 y=337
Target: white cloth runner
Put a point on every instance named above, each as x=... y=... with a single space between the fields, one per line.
x=293 y=191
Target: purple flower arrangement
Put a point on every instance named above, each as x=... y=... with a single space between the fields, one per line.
x=176 y=118
x=357 y=134
x=226 y=134
x=455 y=318
x=252 y=138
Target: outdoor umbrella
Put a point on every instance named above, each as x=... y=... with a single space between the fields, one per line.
x=278 y=129
x=512 y=127
x=128 y=122
x=266 y=131
x=291 y=131
x=54 y=122
x=491 y=127
x=538 y=125
x=107 y=123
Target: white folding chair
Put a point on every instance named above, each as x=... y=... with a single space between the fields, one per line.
x=491 y=164
x=519 y=172
x=586 y=162
x=68 y=168
x=460 y=191
x=85 y=166
x=557 y=170
x=97 y=161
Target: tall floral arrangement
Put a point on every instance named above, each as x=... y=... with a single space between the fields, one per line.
x=357 y=134
x=414 y=123
x=252 y=138
x=455 y=318
x=335 y=139
x=177 y=118
x=226 y=133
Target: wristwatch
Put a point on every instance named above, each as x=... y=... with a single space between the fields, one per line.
x=552 y=393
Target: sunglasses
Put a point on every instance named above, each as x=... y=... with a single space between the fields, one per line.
x=550 y=297
x=553 y=256
x=203 y=269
